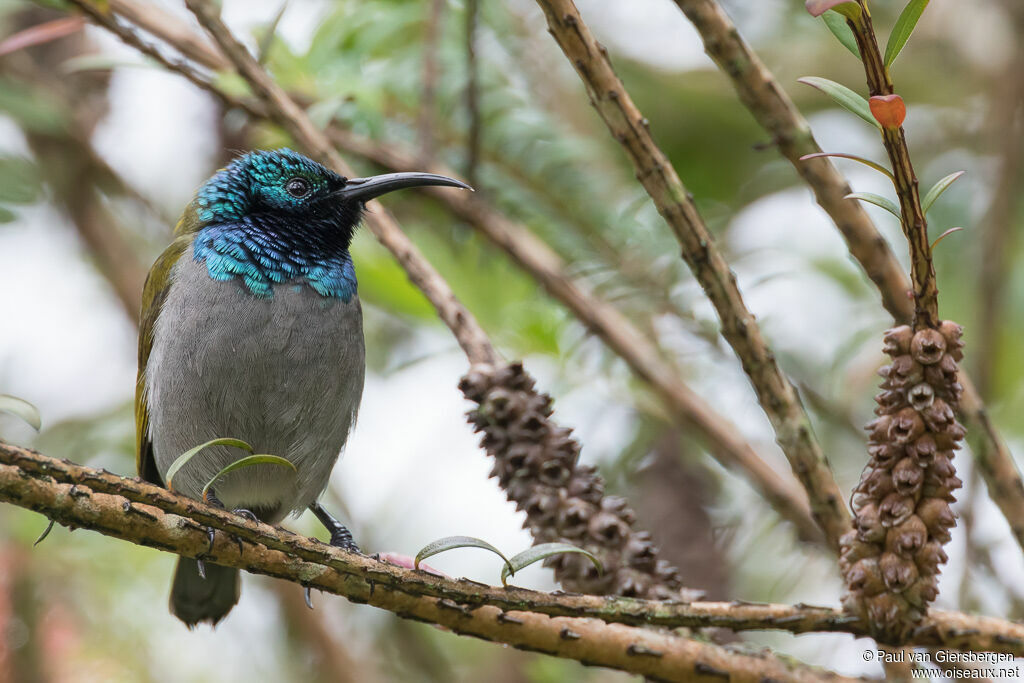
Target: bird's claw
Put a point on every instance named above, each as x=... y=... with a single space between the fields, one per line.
x=309 y=597
x=248 y=514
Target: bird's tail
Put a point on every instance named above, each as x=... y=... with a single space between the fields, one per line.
x=195 y=599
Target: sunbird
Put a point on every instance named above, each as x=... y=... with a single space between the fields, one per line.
x=251 y=328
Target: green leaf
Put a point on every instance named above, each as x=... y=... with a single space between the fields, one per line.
x=944 y=236
x=867 y=162
x=183 y=459
x=268 y=35
x=903 y=28
x=937 y=189
x=449 y=542
x=261 y=459
x=541 y=552
x=877 y=200
x=843 y=96
x=19 y=407
x=841 y=30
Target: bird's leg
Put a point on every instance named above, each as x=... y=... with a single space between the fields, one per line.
x=212 y=499
x=341 y=537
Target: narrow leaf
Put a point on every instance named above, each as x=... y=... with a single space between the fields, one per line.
x=183 y=459
x=867 y=162
x=937 y=189
x=449 y=542
x=843 y=96
x=943 y=235
x=19 y=407
x=46 y=532
x=836 y=23
x=41 y=33
x=878 y=200
x=249 y=461
x=903 y=28
x=541 y=552
x=268 y=36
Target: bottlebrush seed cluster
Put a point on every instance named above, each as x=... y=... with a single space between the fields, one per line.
x=902 y=504
x=536 y=465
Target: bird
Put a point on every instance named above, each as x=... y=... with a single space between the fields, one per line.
x=251 y=328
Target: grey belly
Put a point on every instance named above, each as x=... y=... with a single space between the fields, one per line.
x=284 y=374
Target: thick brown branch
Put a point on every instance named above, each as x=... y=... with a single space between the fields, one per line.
x=173 y=523
x=149 y=515
x=777 y=396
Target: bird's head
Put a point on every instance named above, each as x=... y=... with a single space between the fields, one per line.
x=282 y=188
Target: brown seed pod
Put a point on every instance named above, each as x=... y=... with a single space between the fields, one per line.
x=927 y=346
x=907 y=538
x=929 y=557
x=938 y=517
x=878 y=429
x=885 y=454
x=938 y=416
x=904 y=371
x=906 y=426
x=907 y=476
x=952 y=332
x=922 y=592
x=875 y=483
x=920 y=396
x=898 y=573
x=895 y=509
x=869 y=525
x=896 y=340
x=866 y=576
x=923 y=450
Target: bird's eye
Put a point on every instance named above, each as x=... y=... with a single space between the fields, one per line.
x=297 y=187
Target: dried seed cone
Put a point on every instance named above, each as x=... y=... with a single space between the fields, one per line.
x=902 y=505
x=536 y=465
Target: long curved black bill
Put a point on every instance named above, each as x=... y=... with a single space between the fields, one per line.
x=365 y=189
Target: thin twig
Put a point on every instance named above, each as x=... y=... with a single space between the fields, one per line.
x=766 y=100
x=776 y=394
x=425 y=118
x=915 y=226
x=140 y=512
x=473 y=136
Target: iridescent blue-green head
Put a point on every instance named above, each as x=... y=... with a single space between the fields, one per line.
x=273 y=217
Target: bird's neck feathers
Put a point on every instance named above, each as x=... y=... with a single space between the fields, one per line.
x=239 y=240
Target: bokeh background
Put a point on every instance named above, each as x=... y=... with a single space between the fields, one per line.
x=100 y=147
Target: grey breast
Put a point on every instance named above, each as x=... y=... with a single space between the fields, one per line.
x=284 y=374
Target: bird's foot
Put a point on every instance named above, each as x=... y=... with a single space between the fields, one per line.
x=248 y=514
x=341 y=537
